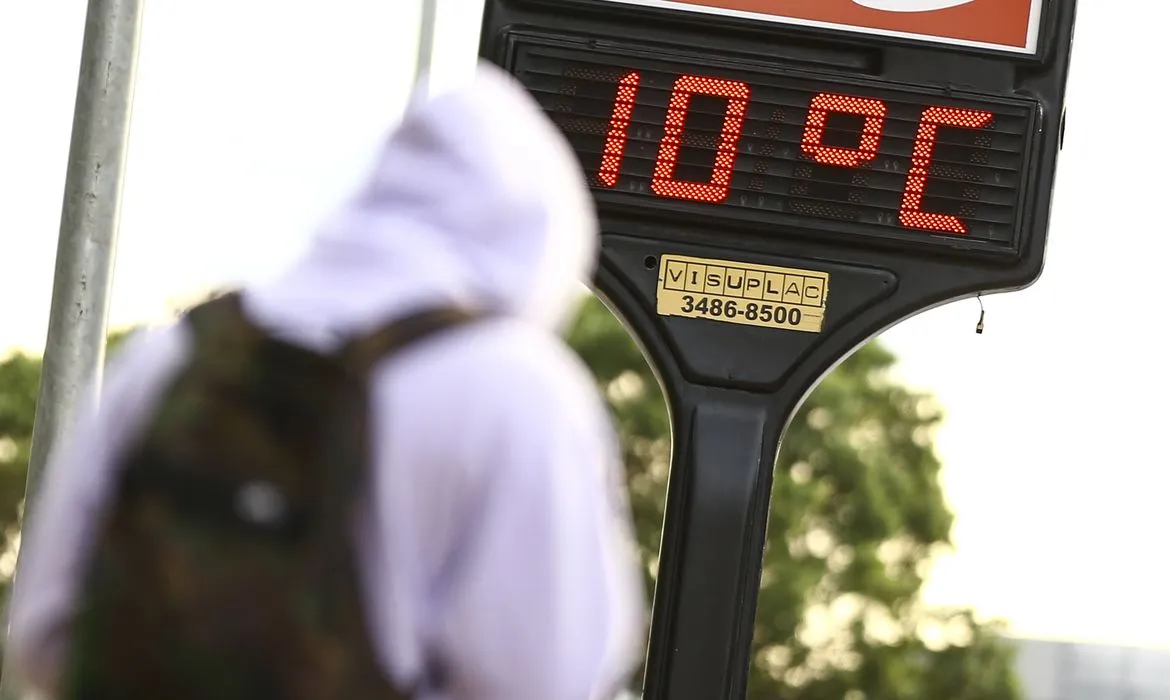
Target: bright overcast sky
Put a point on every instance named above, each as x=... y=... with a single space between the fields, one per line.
x=252 y=116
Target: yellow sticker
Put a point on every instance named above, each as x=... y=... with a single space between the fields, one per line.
x=743 y=293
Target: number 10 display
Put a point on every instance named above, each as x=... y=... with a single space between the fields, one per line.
x=738 y=95
x=792 y=153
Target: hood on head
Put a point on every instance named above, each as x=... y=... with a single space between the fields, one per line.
x=476 y=197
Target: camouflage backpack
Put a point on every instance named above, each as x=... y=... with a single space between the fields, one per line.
x=225 y=568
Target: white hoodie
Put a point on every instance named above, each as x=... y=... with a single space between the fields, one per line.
x=496 y=539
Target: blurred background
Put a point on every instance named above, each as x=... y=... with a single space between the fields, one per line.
x=955 y=515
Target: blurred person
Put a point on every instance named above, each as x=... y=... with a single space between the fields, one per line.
x=180 y=545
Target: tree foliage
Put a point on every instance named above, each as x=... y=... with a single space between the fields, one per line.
x=857 y=513
x=19 y=379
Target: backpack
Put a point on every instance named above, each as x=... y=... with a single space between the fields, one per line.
x=225 y=568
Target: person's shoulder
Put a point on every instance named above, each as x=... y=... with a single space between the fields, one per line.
x=496 y=397
x=497 y=369
x=526 y=359
x=143 y=360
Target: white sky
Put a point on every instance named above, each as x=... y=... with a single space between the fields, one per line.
x=252 y=115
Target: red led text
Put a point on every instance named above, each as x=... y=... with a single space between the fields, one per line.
x=715 y=191
x=911 y=214
x=619 y=126
x=822 y=105
x=738 y=94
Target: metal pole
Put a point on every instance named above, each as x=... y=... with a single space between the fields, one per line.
x=86 y=245
x=426 y=39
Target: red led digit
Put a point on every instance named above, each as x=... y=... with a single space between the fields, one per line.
x=714 y=191
x=619 y=126
x=911 y=214
x=825 y=103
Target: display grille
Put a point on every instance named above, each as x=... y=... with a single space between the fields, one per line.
x=811 y=154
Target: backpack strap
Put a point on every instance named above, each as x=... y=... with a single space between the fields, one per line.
x=223 y=317
x=363 y=352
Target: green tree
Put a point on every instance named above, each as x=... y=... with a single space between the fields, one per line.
x=857 y=514
x=19 y=379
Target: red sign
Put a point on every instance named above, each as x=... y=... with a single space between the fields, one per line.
x=1006 y=25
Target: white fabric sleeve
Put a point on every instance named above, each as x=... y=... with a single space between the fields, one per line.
x=544 y=600
x=73 y=496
